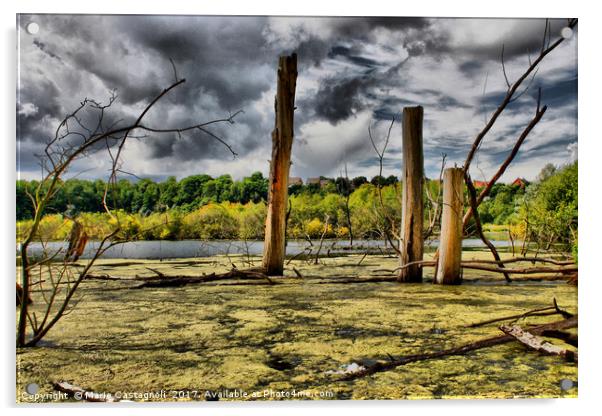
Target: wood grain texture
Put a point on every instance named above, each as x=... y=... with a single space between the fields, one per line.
x=282 y=141
x=450 y=246
x=412 y=243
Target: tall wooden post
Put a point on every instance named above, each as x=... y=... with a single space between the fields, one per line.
x=282 y=142
x=412 y=244
x=450 y=245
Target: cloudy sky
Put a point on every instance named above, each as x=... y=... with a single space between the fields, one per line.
x=353 y=72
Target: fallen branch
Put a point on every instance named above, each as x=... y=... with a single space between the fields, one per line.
x=537 y=343
x=521 y=259
x=531 y=270
x=179 y=281
x=549 y=310
x=393 y=363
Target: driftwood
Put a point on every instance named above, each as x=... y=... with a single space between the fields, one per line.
x=179 y=281
x=393 y=362
x=528 y=270
x=521 y=259
x=81 y=394
x=537 y=343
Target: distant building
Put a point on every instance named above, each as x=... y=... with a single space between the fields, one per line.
x=520 y=182
x=480 y=184
x=295 y=180
x=319 y=181
x=324 y=182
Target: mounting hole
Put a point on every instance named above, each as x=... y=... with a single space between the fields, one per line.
x=566 y=33
x=566 y=384
x=32 y=388
x=32 y=28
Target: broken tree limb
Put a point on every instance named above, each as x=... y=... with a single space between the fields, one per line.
x=529 y=270
x=472 y=197
x=521 y=259
x=392 y=363
x=537 y=343
x=485 y=192
x=179 y=281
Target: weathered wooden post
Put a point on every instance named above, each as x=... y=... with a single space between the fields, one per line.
x=449 y=270
x=282 y=141
x=412 y=243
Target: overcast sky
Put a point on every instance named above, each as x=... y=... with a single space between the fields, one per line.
x=352 y=72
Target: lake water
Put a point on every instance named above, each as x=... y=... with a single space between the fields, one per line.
x=198 y=248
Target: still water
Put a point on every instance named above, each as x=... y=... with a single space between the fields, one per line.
x=198 y=248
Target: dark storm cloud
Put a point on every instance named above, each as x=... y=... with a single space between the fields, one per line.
x=30 y=115
x=352 y=66
x=360 y=27
x=338 y=99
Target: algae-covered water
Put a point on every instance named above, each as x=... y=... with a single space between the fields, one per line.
x=240 y=341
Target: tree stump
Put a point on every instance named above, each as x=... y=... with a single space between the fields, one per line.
x=412 y=242
x=282 y=141
x=449 y=269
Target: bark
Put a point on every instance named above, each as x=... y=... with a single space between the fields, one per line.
x=449 y=269
x=537 y=343
x=412 y=243
x=282 y=141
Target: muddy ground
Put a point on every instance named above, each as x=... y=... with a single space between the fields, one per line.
x=288 y=340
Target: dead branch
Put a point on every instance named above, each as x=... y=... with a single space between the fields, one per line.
x=472 y=196
x=522 y=259
x=549 y=310
x=502 y=169
x=183 y=280
x=381 y=155
x=510 y=94
x=392 y=363
x=532 y=270
x=537 y=343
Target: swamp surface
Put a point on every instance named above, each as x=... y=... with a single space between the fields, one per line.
x=288 y=340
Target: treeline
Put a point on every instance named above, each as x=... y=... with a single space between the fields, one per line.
x=147 y=196
x=200 y=207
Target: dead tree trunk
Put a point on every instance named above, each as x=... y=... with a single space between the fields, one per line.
x=282 y=141
x=450 y=245
x=412 y=243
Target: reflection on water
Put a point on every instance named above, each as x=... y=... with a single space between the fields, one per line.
x=198 y=248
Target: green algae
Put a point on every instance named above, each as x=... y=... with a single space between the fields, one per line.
x=266 y=339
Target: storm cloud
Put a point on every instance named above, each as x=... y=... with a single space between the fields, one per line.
x=353 y=71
